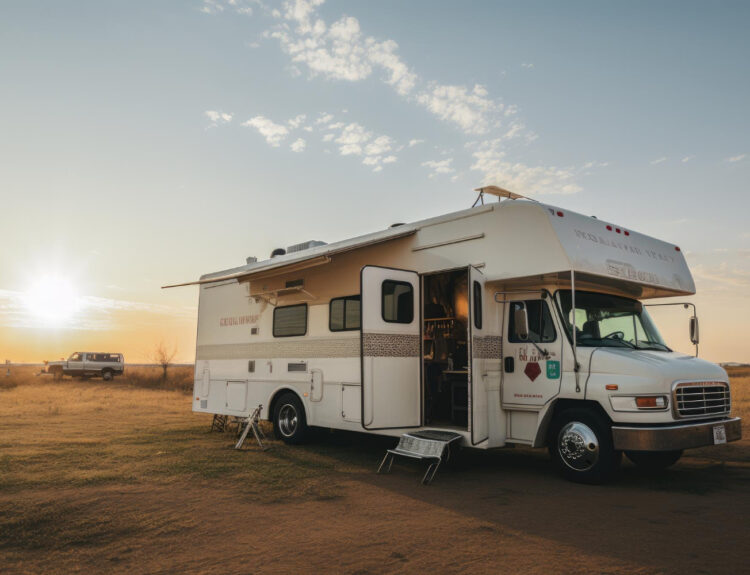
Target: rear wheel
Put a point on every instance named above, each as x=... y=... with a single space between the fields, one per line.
x=107 y=375
x=654 y=460
x=580 y=443
x=289 y=423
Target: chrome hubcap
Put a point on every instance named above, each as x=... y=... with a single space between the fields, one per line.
x=287 y=420
x=578 y=446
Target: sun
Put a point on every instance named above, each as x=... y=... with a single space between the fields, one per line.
x=52 y=299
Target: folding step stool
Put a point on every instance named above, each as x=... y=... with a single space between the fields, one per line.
x=430 y=445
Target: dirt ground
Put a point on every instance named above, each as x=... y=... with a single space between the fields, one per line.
x=117 y=478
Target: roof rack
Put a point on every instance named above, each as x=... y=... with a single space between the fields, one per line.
x=499 y=192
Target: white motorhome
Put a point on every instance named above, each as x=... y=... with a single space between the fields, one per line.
x=514 y=322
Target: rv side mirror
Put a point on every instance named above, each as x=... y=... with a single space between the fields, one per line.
x=521 y=322
x=694 y=332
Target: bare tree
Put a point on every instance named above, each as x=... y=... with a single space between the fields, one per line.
x=163 y=356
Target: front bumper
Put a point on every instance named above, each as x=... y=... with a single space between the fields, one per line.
x=673 y=437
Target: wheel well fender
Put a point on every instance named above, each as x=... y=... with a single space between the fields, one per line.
x=557 y=407
x=276 y=395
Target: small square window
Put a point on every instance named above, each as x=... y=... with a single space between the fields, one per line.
x=344 y=313
x=397 y=302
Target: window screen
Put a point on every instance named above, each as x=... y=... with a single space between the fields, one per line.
x=290 y=320
x=541 y=328
x=344 y=313
x=477 y=297
x=398 y=302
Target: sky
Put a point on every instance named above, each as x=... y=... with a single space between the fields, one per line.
x=147 y=143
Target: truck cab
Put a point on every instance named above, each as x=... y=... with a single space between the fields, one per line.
x=622 y=388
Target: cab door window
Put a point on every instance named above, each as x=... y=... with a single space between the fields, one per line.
x=541 y=327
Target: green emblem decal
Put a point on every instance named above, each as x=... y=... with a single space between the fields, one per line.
x=553 y=369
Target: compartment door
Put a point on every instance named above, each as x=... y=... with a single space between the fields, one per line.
x=481 y=348
x=391 y=348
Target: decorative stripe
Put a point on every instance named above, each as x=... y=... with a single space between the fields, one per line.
x=328 y=347
x=487 y=346
x=391 y=345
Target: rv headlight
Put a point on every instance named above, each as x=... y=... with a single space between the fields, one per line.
x=639 y=402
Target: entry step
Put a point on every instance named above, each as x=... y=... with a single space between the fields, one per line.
x=432 y=445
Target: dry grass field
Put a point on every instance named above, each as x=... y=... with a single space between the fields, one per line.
x=121 y=477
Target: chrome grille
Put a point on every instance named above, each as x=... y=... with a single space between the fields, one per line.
x=701 y=399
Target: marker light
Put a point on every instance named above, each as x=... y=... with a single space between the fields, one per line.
x=611 y=387
x=609 y=228
x=651 y=402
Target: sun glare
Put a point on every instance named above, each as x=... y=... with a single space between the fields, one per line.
x=52 y=299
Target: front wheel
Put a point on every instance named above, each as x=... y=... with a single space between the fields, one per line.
x=107 y=375
x=654 y=460
x=289 y=423
x=580 y=443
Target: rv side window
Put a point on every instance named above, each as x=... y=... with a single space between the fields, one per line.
x=477 y=305
x=343 y=313
x=541 y=328
x=398 y=302
x=290 y=320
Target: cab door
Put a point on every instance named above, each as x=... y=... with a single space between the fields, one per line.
x=532 y=367
x=391 y=348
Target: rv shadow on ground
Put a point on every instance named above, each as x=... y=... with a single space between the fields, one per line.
x=667 y=517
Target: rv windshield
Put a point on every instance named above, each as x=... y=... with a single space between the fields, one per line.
x=608 y=320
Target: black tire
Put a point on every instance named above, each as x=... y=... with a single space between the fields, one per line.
x=580 y=443
x=289 y=422
x=107 y=375
x=654 y=460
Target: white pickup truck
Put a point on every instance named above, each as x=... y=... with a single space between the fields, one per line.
x=88 y=364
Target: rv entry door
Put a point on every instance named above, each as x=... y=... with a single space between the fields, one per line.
x=391 y=348
x=482 y=347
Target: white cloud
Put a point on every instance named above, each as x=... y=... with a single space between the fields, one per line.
x=735 y=159
x=686 y=159
x=296 y=122
x=217 y=117
x=298 y=145
x=237 y=6
x=658 y=161
x=490 y=159
x=324 y=119
x=389 y=159
x=438 y=167
x=273 y=133
x=339 y=51
x=379 y=146
x=329 y=137
x=415 y=142
x=352 y=138
x=527 y=65
x=470 y=110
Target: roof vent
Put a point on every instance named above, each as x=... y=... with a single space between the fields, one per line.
x=251 y=260
x=304 y=246
x=278 y=252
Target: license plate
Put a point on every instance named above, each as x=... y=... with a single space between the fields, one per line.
x=720 y=434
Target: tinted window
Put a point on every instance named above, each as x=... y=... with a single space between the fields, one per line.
x=344 y=313
x=541 y=328
x=398 y=302
x=290 y=320
x=477 y=296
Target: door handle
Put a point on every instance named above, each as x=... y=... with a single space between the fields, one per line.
x=510 y=364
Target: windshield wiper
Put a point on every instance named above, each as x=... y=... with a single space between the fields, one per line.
x=655 y=345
